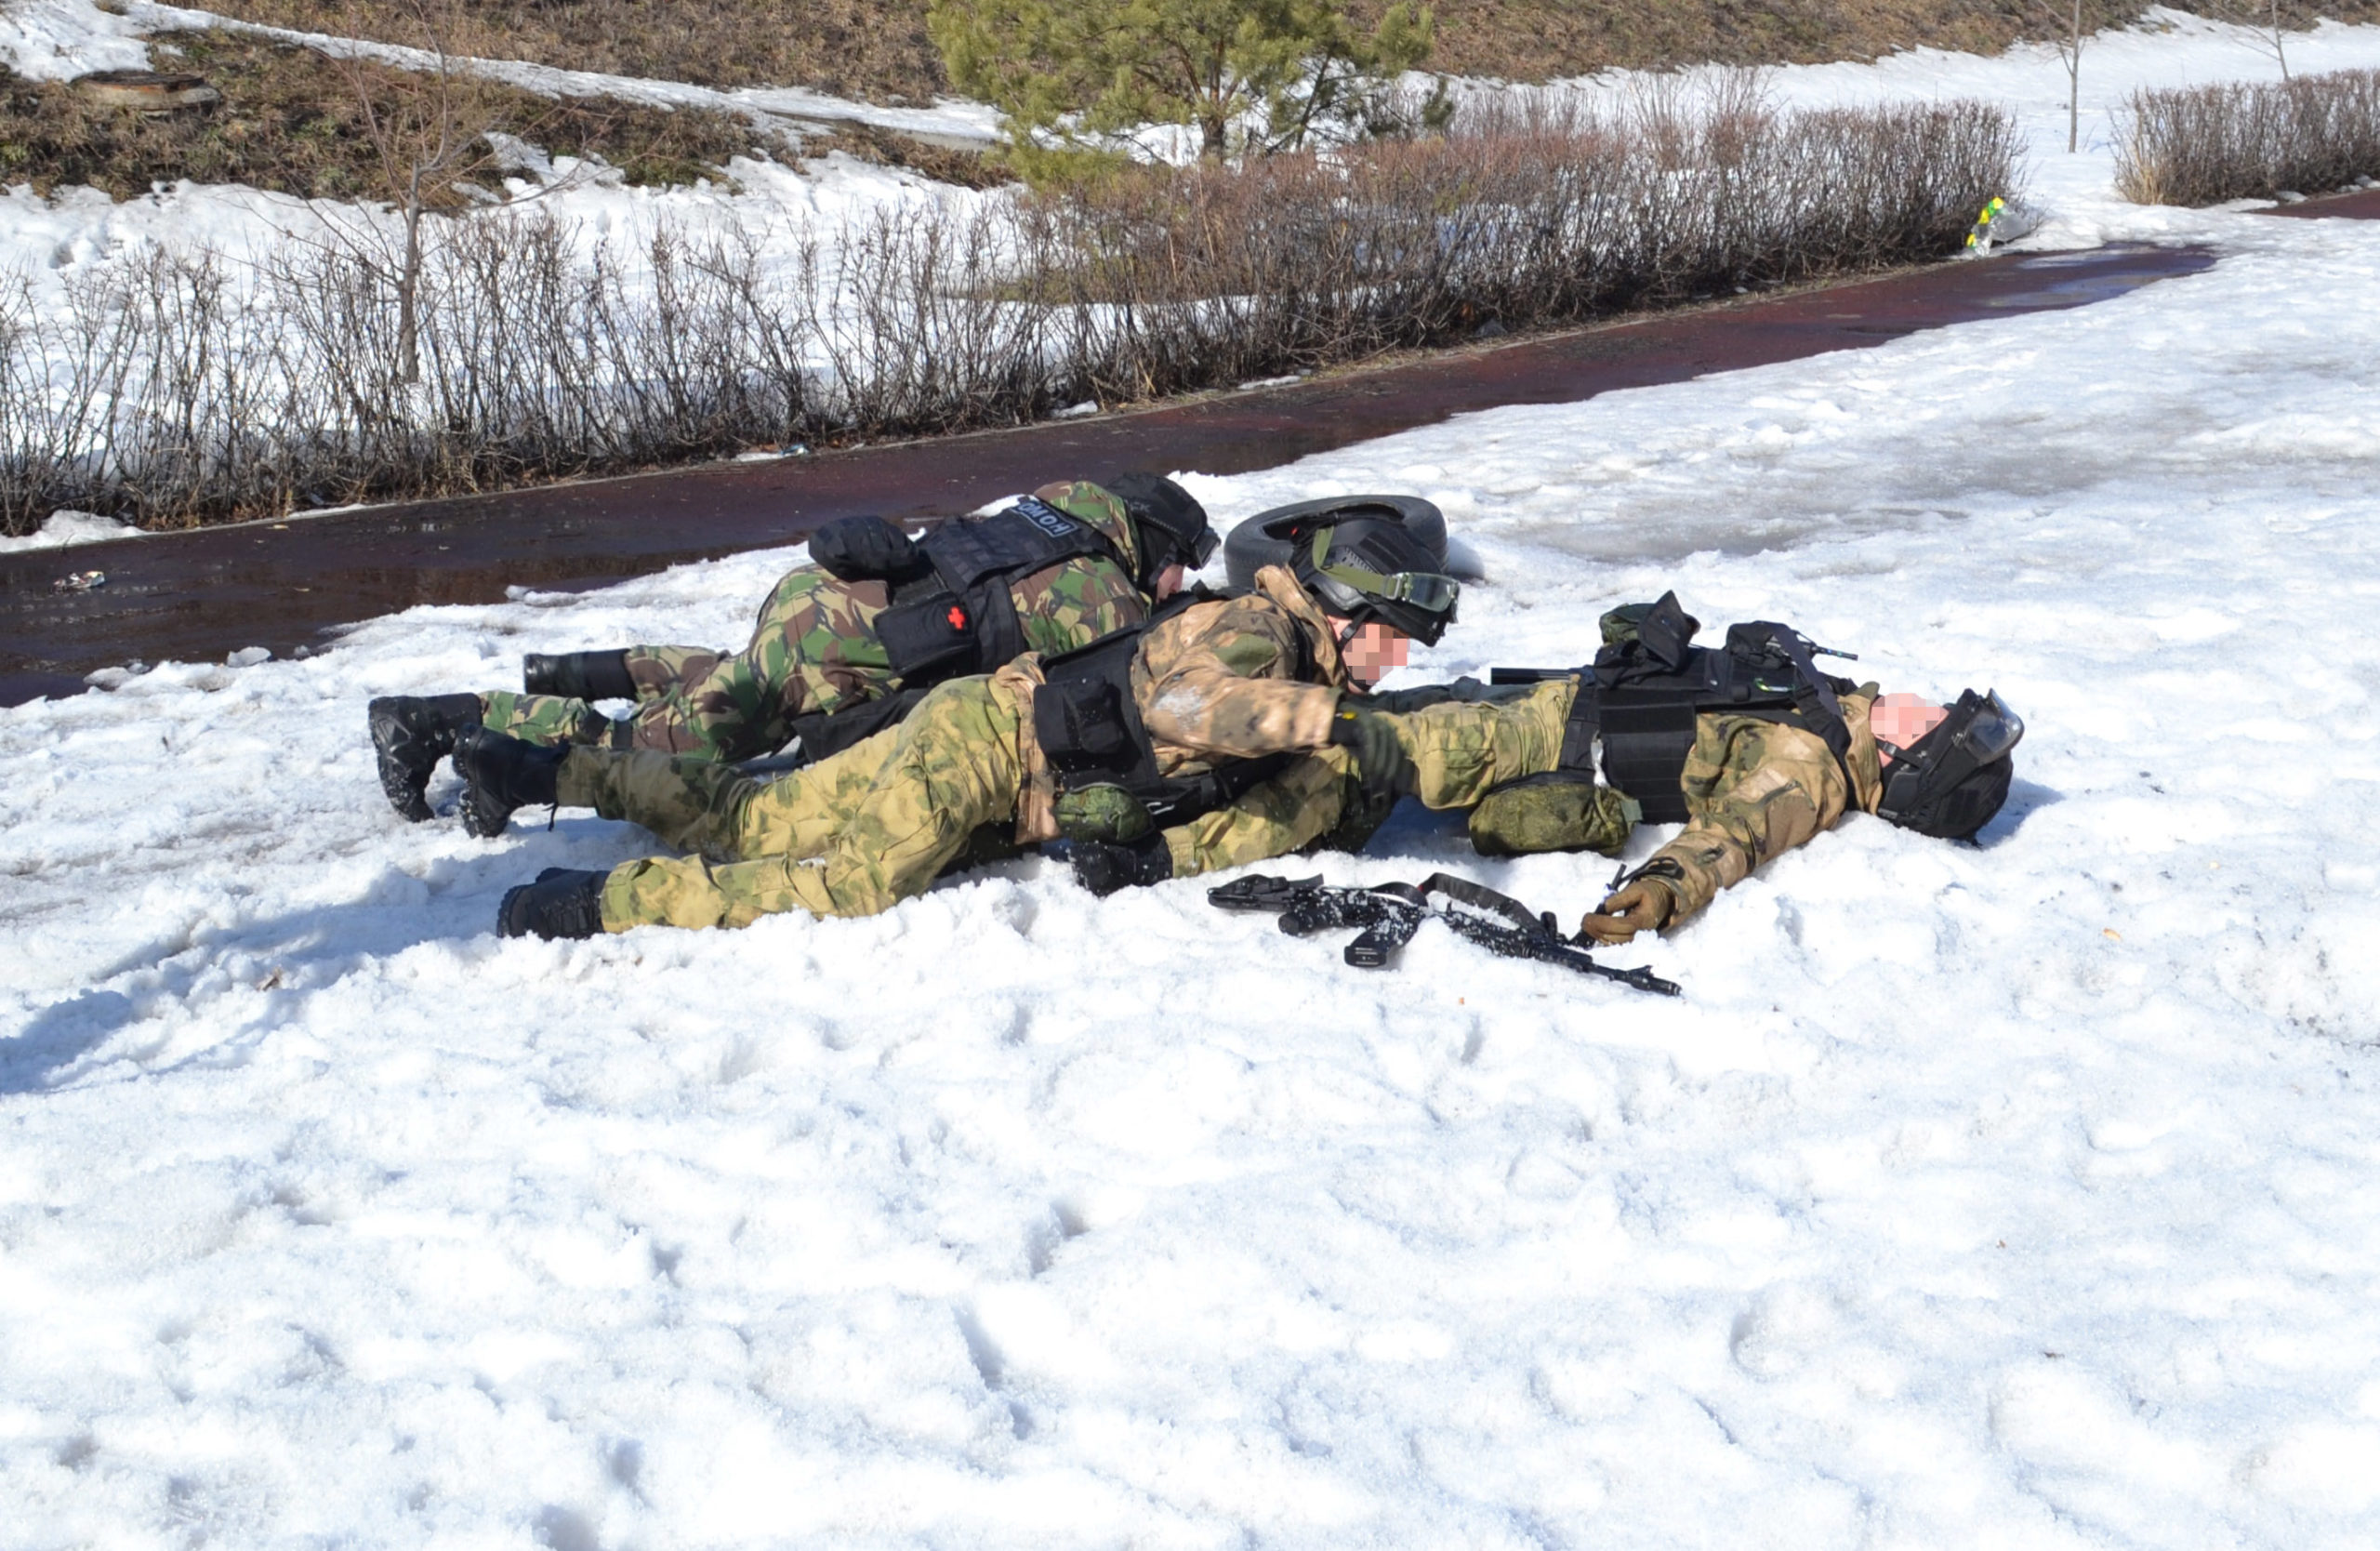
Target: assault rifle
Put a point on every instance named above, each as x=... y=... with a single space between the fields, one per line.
x=1390 y=913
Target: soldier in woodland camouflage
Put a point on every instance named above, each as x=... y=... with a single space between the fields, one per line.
x=1214 y=686
x=815 y=651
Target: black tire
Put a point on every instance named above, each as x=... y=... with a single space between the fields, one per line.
x=1249 y=548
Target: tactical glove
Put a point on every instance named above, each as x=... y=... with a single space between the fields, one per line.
x=1104 y=869
x=1643 y=905
x=1380 y=757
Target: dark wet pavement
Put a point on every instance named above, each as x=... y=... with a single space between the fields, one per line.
x=201 y=595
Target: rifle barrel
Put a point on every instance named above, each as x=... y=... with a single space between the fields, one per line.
x=1526 y=675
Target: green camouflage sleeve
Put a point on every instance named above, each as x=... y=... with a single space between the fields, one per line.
x=1753 y=791
x=1074 y=603
x=1091 y=504
x=1309 y=801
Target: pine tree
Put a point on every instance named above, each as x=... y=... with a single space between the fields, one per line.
x=1248 y=74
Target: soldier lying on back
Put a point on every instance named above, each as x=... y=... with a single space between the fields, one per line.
x=1748 y=746
x=1163 y=721
x=845 y=645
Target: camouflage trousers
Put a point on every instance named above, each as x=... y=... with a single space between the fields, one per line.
x=1458 y=752
x=850 y=835
x=813 y=649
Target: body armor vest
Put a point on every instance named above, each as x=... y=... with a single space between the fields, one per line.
x=1643 y=695
x=1088 y=722
x=952 y=614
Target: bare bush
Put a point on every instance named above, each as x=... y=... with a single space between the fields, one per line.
x=2203 y=145
x=1533 y=213
x=173 y=390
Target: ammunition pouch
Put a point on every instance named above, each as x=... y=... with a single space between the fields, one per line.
x=1087 y=725
x=953 y=613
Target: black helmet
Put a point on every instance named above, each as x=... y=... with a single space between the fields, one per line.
x=1365 y=567
x=1949 y=783
x=1169 y=522
x=1251 y=547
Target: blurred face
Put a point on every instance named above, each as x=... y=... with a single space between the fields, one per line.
x=1373 y=650
x=1169 y=581
x=1901 y=720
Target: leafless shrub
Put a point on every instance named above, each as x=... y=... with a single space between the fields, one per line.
x=1533 y=212
x=175 y=390
x=2203 y=145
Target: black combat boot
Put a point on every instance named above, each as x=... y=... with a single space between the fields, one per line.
x=1103 y=868
x=562 y=902
x=501 y=773
x=410 y=734
x=579 y=675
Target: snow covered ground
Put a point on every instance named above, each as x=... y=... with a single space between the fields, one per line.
x=2020 y=1195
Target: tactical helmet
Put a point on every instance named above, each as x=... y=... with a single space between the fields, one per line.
x=1251 y=547
x=1365 y=566
x=1167 y=521
x=1949 y=783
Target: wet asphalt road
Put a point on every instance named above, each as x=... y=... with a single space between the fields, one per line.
x=200 y=595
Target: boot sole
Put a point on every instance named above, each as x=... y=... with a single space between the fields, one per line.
x=405 y=781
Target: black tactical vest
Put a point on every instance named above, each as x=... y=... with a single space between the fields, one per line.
x=1643 y=695
x=1088 y=723
x=954 y=615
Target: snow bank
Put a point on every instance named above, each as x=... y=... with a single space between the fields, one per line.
x=2014 y=1195
x=65 y=527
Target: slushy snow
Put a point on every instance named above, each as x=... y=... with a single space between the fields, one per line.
x=2013 y=1195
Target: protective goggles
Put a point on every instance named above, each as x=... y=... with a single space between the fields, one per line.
x=1427 y=591
x=1198 y=551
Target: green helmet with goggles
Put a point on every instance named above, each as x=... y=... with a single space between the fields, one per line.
x=1367 y=567
x=1949 y=783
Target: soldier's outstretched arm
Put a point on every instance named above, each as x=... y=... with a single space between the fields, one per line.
x=1756 y=791
x=1461 y=750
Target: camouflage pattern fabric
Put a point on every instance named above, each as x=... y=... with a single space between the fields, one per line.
x=855 y=833
x=814 y=648
x=1304 y=805
x=849 y=836
x=1755 y=790
x=1239 y=677
x=660 y=674
x=1235 y=678
x=1458 y=750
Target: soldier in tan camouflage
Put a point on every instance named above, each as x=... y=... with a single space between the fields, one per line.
x=815 y=651
x=1228 y=680
x=1755 y=789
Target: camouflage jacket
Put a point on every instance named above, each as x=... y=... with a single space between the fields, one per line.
x=1076 y=602
x=1237 y=678
x=1755 y=789
x=821 y=630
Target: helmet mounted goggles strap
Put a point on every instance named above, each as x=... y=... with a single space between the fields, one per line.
x=1424 y=590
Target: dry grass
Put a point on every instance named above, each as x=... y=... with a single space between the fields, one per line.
x=877 y=49
x=2203 y=145
x=874 y=49
x=175 y=390
x=290 y=121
